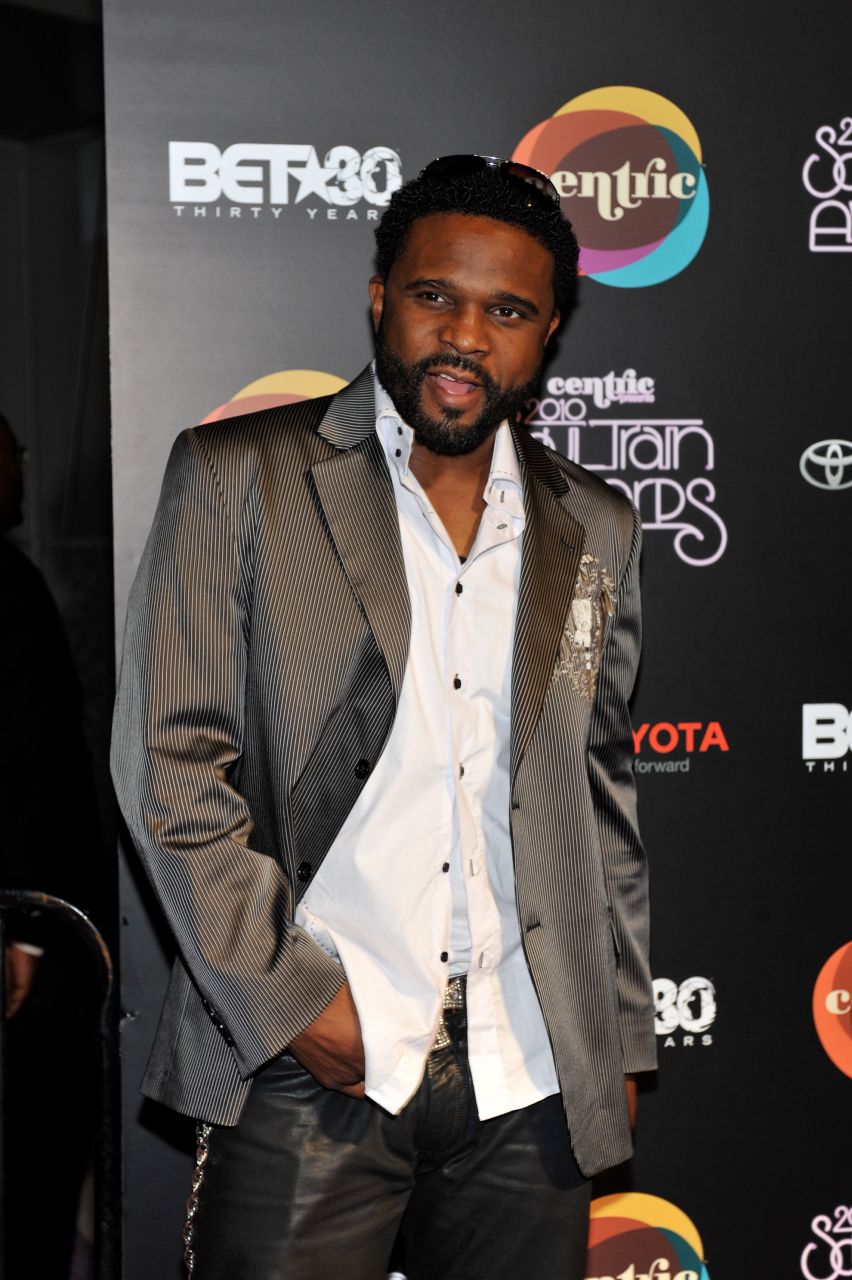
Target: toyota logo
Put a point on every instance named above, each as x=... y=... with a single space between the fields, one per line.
x=828 y=464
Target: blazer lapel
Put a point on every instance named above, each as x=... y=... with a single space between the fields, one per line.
x=552 y=548
x=356 y=494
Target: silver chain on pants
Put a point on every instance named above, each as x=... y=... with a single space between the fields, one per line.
x=202 y=1150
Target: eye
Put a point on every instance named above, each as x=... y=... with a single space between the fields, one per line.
x=430 y=295
x=505 y=312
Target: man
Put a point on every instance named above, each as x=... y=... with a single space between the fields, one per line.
x=373 y=745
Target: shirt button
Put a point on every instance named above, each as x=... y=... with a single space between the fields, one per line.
x=445 y=867
x=459 y=588
x=444 y=957
x=456 y=683
x=399 y=431
x=362 y=768
x=461 y=770
x=303 y=871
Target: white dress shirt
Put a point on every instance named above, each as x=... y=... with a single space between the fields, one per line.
x=419 y=883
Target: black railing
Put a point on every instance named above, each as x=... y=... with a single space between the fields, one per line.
x=106 y=1153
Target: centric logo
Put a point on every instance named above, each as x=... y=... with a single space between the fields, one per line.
x=609 y=423
x=641 y=1237
x=286 y=387
x=627 y=164
x=832 y=1007
x=828 y=464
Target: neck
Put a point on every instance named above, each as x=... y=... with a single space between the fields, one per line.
x=456 y=471
x=455 y=486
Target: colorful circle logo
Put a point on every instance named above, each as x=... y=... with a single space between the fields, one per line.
x=286 y=387
x=644 y=1238
x=627 y=164
x=833 y=1008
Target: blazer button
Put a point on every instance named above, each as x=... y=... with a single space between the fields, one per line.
x=304 y=871
x=362 y=768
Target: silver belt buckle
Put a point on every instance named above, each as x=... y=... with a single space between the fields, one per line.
x=453 y=1002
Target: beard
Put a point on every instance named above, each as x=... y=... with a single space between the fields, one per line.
x=442 y=435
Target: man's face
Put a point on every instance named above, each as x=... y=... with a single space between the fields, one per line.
x=461 y=325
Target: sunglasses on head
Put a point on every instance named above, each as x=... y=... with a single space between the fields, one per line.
x=448 y=167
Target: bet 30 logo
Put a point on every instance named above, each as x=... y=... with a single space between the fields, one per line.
x=249 y=173
x=684 y=1012
x=826 y=736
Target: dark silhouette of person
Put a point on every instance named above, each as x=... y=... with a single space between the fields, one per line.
x=51 y=842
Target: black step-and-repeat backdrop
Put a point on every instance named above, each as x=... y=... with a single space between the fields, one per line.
x=704 y=154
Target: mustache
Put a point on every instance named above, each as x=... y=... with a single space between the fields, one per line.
x=465 y=364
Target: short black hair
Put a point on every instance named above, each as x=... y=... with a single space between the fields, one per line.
x=488 y=193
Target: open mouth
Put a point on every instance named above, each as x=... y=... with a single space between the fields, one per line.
x=456 y=385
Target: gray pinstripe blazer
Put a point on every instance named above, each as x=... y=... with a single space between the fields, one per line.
x=266 y=643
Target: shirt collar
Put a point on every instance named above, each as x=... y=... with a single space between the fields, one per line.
x=503 y=488
x=395 y=434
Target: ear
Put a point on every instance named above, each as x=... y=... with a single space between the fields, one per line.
x=377 y=300
x=552 y=327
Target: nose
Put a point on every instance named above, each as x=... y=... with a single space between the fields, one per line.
x=464 y=332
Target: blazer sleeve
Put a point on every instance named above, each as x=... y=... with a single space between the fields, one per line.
x=177 y=735
x=614 y=794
